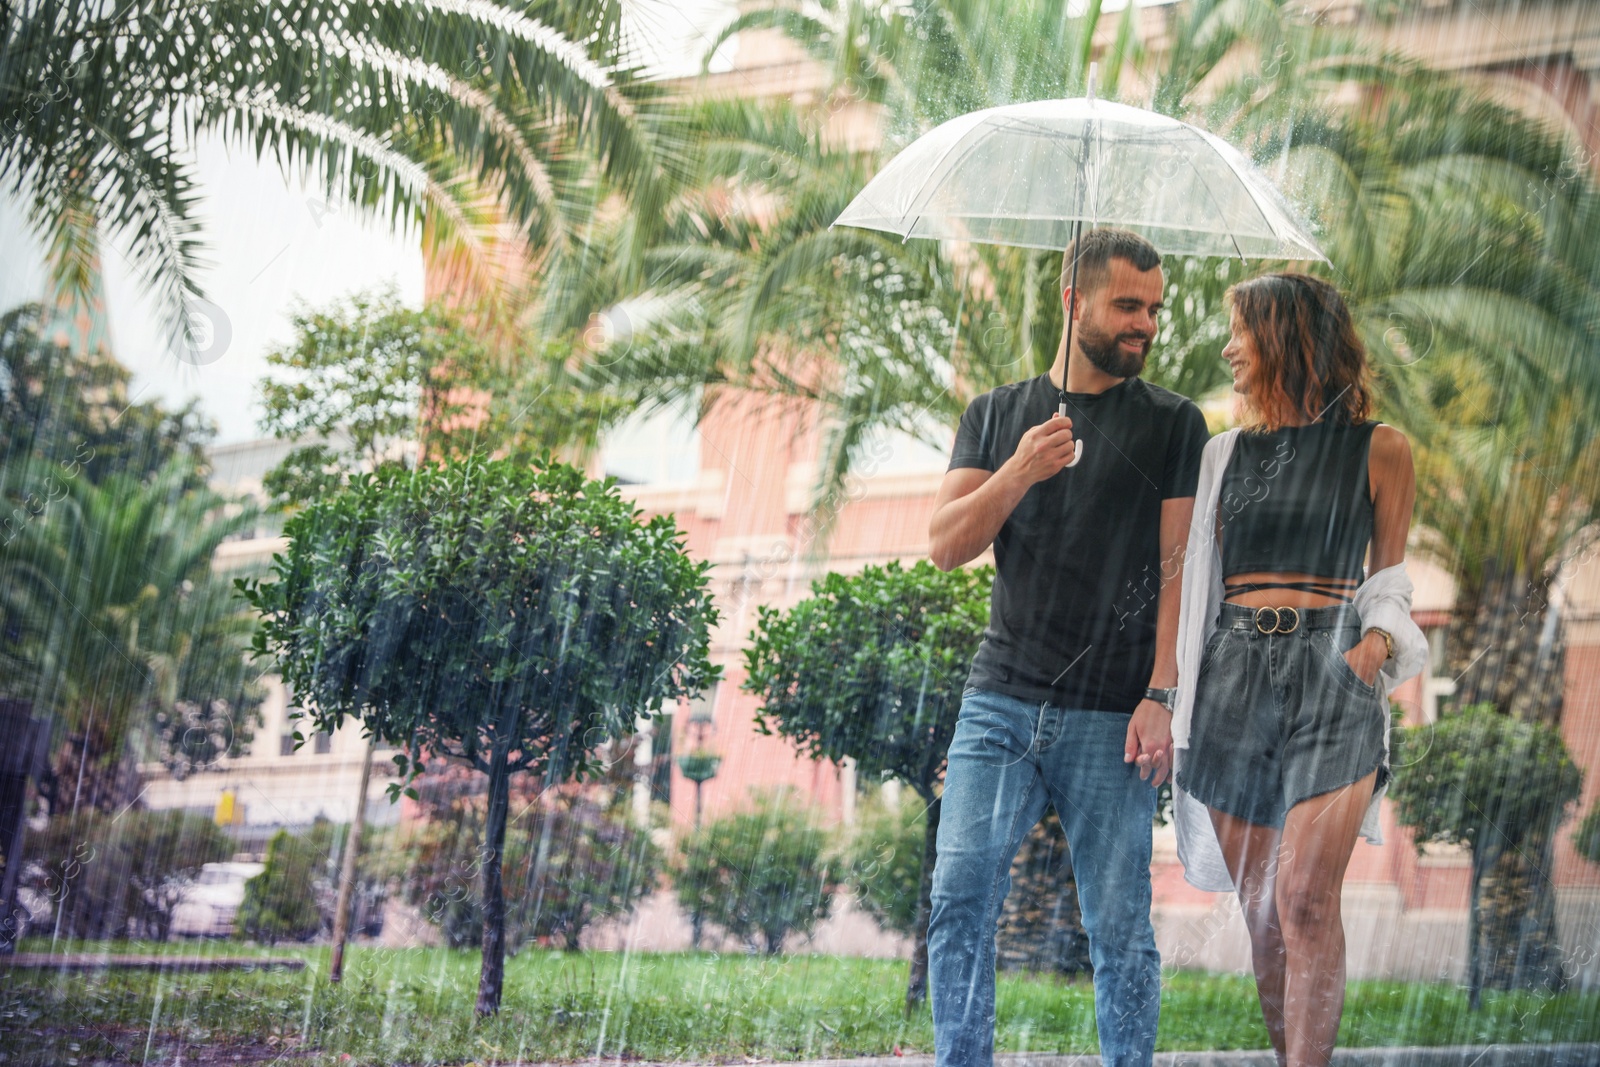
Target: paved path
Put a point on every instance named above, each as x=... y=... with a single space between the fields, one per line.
x=1451 y=1056
x=93 y=962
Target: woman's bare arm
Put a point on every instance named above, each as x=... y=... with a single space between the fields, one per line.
x=1394 y=493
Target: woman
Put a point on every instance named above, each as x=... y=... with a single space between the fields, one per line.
x=1281 y=727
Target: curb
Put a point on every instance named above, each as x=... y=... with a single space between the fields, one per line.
x=91 y=962
x=1566 y=1055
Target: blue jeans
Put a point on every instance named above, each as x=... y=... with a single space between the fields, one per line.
x=1008 y=759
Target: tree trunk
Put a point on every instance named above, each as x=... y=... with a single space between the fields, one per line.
x=573 y=934
x=347 y=870
x=89 y=775
x=917 y=985
x=1507 y=646
x=1475 y=928
x=1041 y=925
x=1517 y=909
x=492 y=978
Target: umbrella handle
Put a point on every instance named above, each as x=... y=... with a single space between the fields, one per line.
x=1077 y=442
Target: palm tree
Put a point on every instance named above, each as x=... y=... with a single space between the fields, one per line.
x=393 y=105
x=114 y=617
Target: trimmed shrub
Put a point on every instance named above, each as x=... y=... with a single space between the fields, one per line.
x=280 y=903
x=758 y=874
x=1587 y=838
x=1501 y=787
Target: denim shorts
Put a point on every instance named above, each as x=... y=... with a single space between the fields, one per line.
x=1279 y=715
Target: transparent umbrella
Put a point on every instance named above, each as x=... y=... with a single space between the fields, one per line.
x=1035 y=174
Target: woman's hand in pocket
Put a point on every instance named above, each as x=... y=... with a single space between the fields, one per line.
x=1367 y=657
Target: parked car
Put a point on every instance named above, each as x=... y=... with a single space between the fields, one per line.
x=211 y=904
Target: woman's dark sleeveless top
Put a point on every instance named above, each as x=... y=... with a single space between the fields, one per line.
x=1296 y=500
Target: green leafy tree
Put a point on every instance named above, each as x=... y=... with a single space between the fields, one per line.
x=508 y=616
x=760 y=874
x=359 y=379
x=116 y=876
x=871 y=667
x=280 y=903
x=1501 y=787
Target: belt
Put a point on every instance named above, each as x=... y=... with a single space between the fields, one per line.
x=1269 y=621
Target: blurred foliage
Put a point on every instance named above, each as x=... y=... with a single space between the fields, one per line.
x=295 y=897
x=1586 y=841
x=572 y=859
x=513 y=617
x=280 y=903
x=116 y=623
x=69 y=408
x=760 y=874
x=1040 y=926
x=882 y=861
x=369 y=369
x=1483 y=780
x=1500 y=787
x=113 y=876
x=367 y=380
x=871 y=667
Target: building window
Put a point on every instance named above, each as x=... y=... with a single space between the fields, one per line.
x=324 y=742
x=286 y=744
x=1437 y=685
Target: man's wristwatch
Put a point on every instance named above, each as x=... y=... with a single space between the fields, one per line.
x=1388 y=640
x=1165 y=697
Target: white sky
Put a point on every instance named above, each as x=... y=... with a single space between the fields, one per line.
x=274 y=242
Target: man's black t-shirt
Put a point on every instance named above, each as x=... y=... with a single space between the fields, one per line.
x=1072 y=619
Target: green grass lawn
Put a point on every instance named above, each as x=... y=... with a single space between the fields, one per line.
x=414 y=1006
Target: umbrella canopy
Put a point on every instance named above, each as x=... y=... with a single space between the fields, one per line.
x=1034 y=174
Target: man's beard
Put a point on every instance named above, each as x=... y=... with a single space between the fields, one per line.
x=1105 y=352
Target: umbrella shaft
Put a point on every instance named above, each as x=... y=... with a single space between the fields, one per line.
x=1077 y=232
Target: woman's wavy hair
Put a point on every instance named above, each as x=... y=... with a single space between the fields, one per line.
x=1313 y=366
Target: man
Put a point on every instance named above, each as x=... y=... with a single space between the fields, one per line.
x=1069 y=698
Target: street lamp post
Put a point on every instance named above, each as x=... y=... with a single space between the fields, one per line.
x=699 y=765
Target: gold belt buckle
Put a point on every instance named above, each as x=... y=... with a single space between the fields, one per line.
x=1277 y=626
